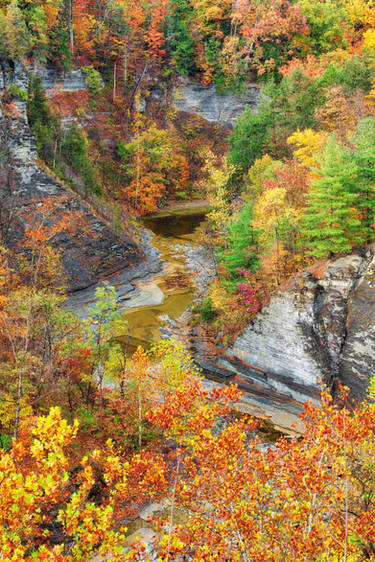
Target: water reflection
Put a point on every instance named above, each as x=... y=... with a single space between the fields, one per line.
x=173 y=232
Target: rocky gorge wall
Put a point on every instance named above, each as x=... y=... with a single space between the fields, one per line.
x=320 y=327
x=215 y=107
x=222 y=108
x=92 y=250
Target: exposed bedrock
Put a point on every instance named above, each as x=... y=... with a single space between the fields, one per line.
x=58 y=81
x=206 y=101
x=89 y=252
x=320 y=327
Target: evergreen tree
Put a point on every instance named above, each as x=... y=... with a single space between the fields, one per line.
x=242 y=244
x=364 y=160
x=75 y=152
x=249 y=136
x=331 y=222
x=44 y=124
x=295 y=101
x=180 y=44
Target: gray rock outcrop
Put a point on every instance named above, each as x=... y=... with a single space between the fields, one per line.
x=320 y=327
x=54 y=81
x=91 y=251
x=221 y=108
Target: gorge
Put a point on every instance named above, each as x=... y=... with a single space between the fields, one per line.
x=187 y=280
x=319 y=327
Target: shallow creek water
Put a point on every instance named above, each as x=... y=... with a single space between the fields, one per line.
x=152 y=302
x=176 y=233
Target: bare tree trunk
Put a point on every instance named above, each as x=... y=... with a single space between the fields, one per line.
x=20 y=372
x=114 y=82
x=134 y=93
x=18 y=407
x=71 y=27
x=125 y=64
x=139 y=415
x=99 y=368
x=138 y=169
x=173 y=505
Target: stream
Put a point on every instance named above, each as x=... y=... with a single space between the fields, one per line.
x=156 y=294
x=158 y=302
x=158 y=291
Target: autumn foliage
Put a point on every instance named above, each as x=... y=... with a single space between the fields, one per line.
x=89 y=433
x=299 y=498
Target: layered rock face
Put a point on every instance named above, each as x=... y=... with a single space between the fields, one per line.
x=321 y=327
x=214 y=107
x=75 y=80
x=88 y=252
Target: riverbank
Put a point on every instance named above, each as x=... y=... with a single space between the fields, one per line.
x=123 y=280
x=156 y=299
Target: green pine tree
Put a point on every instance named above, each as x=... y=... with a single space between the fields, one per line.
x=364 y=160
x=242 y=245
x=331 y=222
x=249 y=136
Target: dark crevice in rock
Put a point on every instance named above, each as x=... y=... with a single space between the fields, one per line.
x=344 y=336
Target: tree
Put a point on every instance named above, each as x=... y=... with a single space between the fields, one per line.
x=295 y=101
x=103 y=323
x=327 y=23
x=40 y=491
x=302 y=499
x=249 y=137
x=217 y=191
x=277 y=221
x=34 y=332
x=268 y=28
x=14 y=36
x=146 y=379
x=331 y=223
x=242 y=250
x=308 y=145
x=179 y=42
x=363 y=158
x=264 y=169
x=154 y=165
x=308 y=497
x=75 y=150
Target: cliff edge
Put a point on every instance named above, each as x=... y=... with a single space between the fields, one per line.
x=91 y=251
x=319 y=327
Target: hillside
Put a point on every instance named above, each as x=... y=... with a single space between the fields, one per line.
x=187 y=280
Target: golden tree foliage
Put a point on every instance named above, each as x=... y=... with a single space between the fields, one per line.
x=216 y=190
x=30 y=493
x=303 y=499
x=309 y=144
x=361 y=12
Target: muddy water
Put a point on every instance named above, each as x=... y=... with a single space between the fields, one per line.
x=166 y=295
x=150 y=302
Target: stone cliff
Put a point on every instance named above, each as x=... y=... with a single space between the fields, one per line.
x=215 y=107
x=319 y=327
x=90 y=252
x=223 y=108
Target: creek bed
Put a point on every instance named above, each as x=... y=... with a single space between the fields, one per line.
x=176 y=234
x=177 y=271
